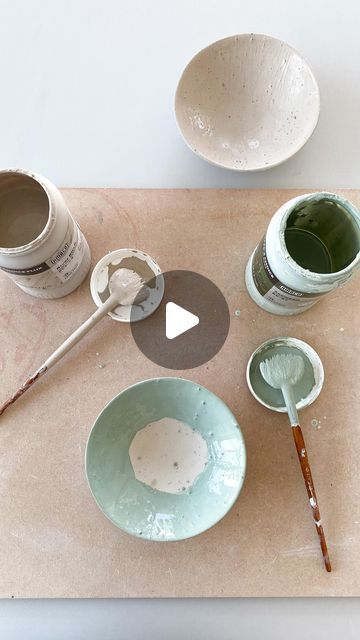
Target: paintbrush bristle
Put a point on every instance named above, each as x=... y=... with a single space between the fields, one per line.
x=128 y=286
x=284 y=368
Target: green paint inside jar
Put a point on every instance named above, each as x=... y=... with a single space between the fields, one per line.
x=322 y=235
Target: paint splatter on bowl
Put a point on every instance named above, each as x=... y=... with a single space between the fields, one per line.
x=165 y=490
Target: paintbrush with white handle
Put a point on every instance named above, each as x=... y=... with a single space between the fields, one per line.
x=125 y=286
x=283 y=371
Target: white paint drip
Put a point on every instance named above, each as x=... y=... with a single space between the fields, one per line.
x=316 y=423
x=103 y=279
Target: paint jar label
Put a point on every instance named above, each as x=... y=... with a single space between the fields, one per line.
x=272 y=289
x=58 y=268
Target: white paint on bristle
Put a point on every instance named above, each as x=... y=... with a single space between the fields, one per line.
x=284 y=368
x=126 y=284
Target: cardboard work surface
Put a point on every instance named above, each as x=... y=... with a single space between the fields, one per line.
x=55 y=542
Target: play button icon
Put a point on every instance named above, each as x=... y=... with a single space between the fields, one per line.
x=178 y=320
x=189 y=327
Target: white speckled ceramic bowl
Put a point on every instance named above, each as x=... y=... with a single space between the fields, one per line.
x=141 y=509
x=248 y=102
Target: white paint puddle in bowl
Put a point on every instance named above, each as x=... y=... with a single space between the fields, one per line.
x=168 y=455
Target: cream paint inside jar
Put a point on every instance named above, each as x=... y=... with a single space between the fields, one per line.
x=24 y=210
x=168 y=455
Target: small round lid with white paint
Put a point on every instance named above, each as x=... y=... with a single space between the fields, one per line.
x=141 y=263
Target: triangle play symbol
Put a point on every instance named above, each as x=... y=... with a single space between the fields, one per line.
x=178 y=320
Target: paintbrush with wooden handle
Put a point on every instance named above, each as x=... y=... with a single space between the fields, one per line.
x=283 y=371
x=125 y=287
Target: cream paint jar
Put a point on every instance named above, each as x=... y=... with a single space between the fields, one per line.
x=311 y=246
x=41 y=246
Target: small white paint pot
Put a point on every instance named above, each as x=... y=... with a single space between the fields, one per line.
x=305 y=391
x=311 y=246
x=42 y=249
x=144 y=266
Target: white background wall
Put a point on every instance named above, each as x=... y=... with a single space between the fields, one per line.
x=86 y=98
x=87 y=88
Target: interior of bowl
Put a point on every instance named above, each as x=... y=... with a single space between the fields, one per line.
x=141 y=509
x=247 y=102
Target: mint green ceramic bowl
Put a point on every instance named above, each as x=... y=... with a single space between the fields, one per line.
x=140 y=509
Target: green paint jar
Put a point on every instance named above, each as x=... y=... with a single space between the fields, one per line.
x=311 y=246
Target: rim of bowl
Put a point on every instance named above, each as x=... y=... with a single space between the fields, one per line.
x=315 y=361
x=243 y=467
x=295 y=148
